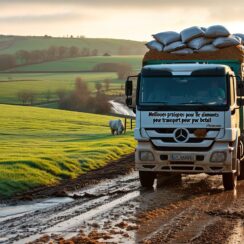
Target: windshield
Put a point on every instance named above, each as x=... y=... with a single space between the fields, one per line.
x=183 y=90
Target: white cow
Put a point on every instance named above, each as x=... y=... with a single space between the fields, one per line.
x=116 y=126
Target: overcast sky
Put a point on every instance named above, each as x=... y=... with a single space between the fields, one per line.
x=127 y=19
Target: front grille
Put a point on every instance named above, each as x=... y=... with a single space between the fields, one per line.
x=166 y=137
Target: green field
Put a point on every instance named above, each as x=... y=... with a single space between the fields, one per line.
x=41 y=83
x=81 y=64
x=10 y=45
x=42 y=146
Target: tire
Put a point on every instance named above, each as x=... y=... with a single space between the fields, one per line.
x=241 y=176
x=147 y=178
x=229 y=181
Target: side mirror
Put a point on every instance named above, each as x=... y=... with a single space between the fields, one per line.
x=128 y=88
x=240 y=90
x=240 y=102
x=128 y=101
x=240 y=86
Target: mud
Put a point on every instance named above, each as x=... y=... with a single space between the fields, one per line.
x=115 y=209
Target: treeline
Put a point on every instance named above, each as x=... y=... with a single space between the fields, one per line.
x=24 y=57
x=81 y=98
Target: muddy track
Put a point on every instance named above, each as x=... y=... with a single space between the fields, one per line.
x=195 y=209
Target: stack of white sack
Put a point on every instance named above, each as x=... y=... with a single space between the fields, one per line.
x=195 y=40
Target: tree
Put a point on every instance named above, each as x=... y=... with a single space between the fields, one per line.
x=23 y=56
x=74 y=51
x=98 y=87
x=85 y=52
x=26 y=96
x=107 y=83
x=124 y=70
x=63 y=52
x=101 y=104
x=52 y=52
x=61 y=93
x=7 y=61
x=94 y=52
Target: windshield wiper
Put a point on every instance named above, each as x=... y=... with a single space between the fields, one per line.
x=194 y=103
x=203 y=105
x=159 y=102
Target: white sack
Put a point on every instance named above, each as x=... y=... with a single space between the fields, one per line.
x=174 y=46
x=222 y=42
x=167 y=37
x=203 y=29
x=154 y=45
x=208 y=48
x=216 y=31
x=240 y=36
x=191 y=33
x=183 y=51
x=199 y=42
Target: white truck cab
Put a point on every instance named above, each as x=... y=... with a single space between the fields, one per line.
x=188 y=121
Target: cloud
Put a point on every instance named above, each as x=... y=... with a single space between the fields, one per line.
x=40 y=18
x=135 y=3
x=218 y=10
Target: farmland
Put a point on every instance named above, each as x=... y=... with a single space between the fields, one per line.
x=80 y=64
x=41 y=83
x=41 y=148
x=67 y=70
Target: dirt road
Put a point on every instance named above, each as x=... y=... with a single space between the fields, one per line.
x=195 y=209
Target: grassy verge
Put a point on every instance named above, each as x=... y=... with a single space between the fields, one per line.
x=42 y=146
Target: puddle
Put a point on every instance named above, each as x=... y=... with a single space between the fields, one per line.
x=10 y=212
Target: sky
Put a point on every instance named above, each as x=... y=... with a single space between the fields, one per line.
x=126 y=19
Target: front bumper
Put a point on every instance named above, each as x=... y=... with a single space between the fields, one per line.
x=200 y=164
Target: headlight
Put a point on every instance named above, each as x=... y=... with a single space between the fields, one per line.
x=146 y=156
x=218 y=157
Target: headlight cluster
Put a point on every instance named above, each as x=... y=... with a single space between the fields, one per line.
x=218 y=157
x=146 y=156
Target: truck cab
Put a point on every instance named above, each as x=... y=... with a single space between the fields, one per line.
x=189 y=119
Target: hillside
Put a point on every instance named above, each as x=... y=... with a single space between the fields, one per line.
x=39 y=147
x=12 y=44
x=80 y=64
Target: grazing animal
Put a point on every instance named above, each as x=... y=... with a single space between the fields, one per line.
x=116 y=126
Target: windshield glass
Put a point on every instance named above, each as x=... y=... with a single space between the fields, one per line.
x=183 y=90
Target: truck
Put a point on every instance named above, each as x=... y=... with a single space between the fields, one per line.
x=189 y=115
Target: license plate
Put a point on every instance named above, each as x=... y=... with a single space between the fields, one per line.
x=182 y=157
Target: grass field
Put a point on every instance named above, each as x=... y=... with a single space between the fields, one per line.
x=112 y=46
x=81 y=64
x=39 y=147
x=41 y=83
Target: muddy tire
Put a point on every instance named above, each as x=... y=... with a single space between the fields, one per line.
x=241 y=176
x=147 y=178
x=229 y=181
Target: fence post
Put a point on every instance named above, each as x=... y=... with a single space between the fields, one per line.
x=125 y=124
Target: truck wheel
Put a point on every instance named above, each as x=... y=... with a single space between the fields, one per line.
x=229 y=181
x=147 y=178
x=241 y=176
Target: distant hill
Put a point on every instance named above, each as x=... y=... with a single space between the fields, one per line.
x=12 y=44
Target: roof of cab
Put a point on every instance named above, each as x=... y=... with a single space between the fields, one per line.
x=187 y=69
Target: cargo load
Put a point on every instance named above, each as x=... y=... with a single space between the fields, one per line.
x=196 y=39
